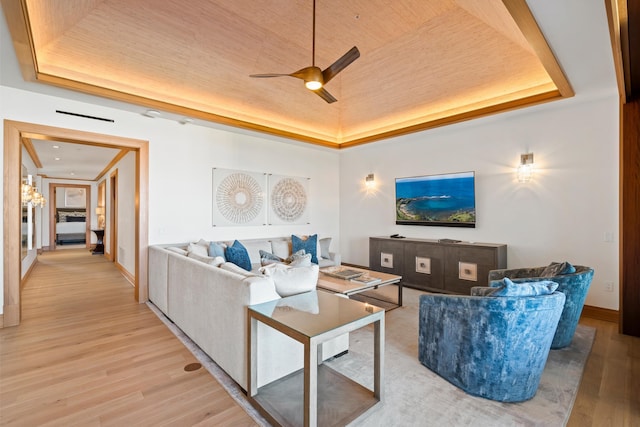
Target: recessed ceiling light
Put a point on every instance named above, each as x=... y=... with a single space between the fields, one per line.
x=152 y=113
x=57 y=158
x=185 y=120
x=56 y=146
x=72 y=173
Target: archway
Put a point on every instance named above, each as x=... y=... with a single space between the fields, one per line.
x=13 y=134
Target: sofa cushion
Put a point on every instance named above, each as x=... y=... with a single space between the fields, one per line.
x=215 y=261
x=229 y=266
x=291 y=281
x=217 y=249
x=254 y=247
x=281 y=248
x=325 y=243
x=309 y=244
x=557 y=269
x=238 y=255
x=197 y=249
x=524 y=289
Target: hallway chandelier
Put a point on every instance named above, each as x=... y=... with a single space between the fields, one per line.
x=30 y=194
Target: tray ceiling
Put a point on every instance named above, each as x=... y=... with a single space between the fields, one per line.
x=422 y=64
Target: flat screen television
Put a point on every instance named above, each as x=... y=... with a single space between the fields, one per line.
x=442 y=200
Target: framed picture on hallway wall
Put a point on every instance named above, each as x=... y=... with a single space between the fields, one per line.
x=75 y=197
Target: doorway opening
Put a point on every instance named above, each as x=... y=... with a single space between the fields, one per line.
x=63 y=231
x=13 y=134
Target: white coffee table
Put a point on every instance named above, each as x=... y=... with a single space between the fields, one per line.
x=330 y=398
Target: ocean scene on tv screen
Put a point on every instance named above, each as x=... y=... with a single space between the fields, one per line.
x=443 y=199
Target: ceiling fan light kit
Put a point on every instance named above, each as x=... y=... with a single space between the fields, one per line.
x=315 y=78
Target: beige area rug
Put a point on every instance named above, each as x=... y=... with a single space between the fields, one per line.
x=415 y=396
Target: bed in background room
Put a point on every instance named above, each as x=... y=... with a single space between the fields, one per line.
x=71 y=225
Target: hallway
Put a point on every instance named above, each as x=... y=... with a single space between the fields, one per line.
x=86 y=353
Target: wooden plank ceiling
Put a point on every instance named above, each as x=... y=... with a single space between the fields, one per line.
x=423 y=63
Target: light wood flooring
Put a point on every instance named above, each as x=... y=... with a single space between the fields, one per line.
x=609 y=394
x=87 y=354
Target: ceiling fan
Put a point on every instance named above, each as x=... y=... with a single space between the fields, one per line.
x=315 y=78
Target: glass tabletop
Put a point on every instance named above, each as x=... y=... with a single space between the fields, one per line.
x=314 y=313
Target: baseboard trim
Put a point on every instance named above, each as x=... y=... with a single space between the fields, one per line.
x=126 y=274
x=600 y=313
x=28 y=273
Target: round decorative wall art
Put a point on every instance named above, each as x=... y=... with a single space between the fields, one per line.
x=289 y=199
x=239 y=198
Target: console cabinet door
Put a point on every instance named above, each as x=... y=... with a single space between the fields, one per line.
x=423 y=266
x=466 y=267
x=386 y=256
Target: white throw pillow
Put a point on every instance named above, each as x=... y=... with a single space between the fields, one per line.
x=198 y=249
x=300 y=260
x=203 y=242
x=291 y=280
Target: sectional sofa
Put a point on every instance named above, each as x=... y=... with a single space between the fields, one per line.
x=208 y=302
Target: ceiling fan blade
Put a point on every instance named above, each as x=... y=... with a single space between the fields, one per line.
x=322 y=93
x=268 y=75
x=342 y=63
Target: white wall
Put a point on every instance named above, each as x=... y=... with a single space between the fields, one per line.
x=181 y=187
x=126 y=193
x=562 y=215
x=181 y=159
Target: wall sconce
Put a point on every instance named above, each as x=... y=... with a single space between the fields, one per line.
x=525 y=169
x=370 y=181
x=100 y=213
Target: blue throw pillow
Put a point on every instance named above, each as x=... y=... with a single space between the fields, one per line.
x=527 y=289
x=216 y=249
x=310 y=246
x=238 y=255
x=267 y=258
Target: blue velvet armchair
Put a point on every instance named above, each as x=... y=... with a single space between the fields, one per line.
x=494 y=347
x=573 y=281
